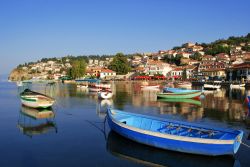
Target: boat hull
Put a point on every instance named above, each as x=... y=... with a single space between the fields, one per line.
x=211 y=87
x=179 y=95
x=178 y=90
x=156 y=140
x=34 y=103
x=239 y=86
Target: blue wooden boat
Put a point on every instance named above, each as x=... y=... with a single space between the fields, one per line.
x=174 y=135
x=179 y=90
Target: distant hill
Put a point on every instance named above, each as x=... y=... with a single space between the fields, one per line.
x=224 y=45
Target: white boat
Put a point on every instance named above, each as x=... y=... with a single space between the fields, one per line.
x=211 y=87
x=105 y=94
x=35 y=99
x=237 y=86
x=82 y=86
x=150 y=86
x=19 y=83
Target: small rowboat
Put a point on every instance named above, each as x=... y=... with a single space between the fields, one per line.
x=178 y=90
x=174 y=135
x=237 y=86
x=35 y=99
x=105 y=94
x=211 y=87
x=150 y=86
x=179 y=95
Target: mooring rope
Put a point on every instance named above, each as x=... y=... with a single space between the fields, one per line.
x=248 y=146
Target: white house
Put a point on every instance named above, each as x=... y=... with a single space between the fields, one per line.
x=107 y=73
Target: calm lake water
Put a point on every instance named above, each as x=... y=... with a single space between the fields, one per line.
x=73 y=132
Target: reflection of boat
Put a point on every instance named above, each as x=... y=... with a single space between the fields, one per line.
x=38 y=114
x=105 y=94
x=33 y=121
x=184 y=84
x=35 y=99
x=148 y=87
x=106 y=102
x=191 y=101
x=179 y=95
x=175 y=135
x=211 y=87
x=178 y=90
x=150 y=156
x=237 y=86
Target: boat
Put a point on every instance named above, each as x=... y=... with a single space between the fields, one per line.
x=184 y=84
x=178 y=90
x=175 y=135
x=82 y=86
x=190 y=101
x=129 y=150
x=105 y=94
x=237 y=86
x=35 y=99
x=150 y=87
x=211 y=86
x=19 y=83
x=184 y=95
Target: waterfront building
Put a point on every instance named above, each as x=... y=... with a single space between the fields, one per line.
x=107 y=74
x=239 y=72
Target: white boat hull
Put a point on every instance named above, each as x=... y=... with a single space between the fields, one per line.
x=36 y=101
x=211 y=87
x=238 y=86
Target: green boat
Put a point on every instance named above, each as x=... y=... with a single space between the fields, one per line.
x=190 y=101
x=181 y=95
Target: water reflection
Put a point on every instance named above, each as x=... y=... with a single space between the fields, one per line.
x=32 y=121
x=150 y=156
x=102 y=105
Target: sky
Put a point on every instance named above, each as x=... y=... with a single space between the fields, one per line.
x=35 y=29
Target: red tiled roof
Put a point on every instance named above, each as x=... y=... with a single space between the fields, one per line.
x=107 y=71
x=242 y=65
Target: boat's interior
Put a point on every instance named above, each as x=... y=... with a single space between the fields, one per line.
x=165 y=127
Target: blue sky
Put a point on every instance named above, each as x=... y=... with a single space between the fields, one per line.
x=33 y=29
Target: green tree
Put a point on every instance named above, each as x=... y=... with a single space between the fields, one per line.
x=184 y=74
x=120 y=64
x=196 y=56
x=78 y=69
